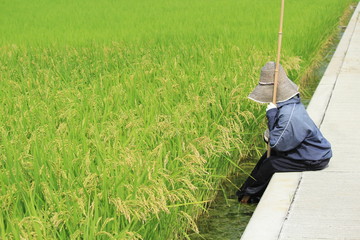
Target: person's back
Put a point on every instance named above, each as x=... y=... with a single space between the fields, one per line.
x=295 y=135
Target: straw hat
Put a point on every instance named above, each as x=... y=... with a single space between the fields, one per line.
x=263 y=92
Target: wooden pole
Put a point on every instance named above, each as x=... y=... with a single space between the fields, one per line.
x=276 y=77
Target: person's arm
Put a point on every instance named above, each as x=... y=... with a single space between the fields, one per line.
x=285 y=133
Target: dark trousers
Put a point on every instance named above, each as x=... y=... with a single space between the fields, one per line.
x=257 y=182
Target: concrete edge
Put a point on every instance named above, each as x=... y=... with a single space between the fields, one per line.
x=267 y=220
x=319 y=101
x=271 y=212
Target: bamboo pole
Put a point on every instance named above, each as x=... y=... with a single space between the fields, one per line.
x=276 y=77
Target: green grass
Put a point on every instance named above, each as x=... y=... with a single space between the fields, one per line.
x=119 y=118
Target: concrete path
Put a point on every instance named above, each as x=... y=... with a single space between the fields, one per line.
x=323 y=204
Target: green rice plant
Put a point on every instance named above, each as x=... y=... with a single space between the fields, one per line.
x=118 y=119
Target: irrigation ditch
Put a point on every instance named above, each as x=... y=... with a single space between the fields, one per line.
x=225 y=218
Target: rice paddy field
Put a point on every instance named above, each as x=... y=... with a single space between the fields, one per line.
x=119 y=119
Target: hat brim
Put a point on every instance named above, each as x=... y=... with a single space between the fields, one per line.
x=263 y=93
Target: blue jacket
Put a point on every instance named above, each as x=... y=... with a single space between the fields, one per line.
x=294 y=135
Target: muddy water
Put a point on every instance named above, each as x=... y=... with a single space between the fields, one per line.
x=226 y=219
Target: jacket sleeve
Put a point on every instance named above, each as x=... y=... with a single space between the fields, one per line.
x=286 y=133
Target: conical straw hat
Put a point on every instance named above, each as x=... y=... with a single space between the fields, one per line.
x=263 y=92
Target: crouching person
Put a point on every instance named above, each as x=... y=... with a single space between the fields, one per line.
x=296 y=142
